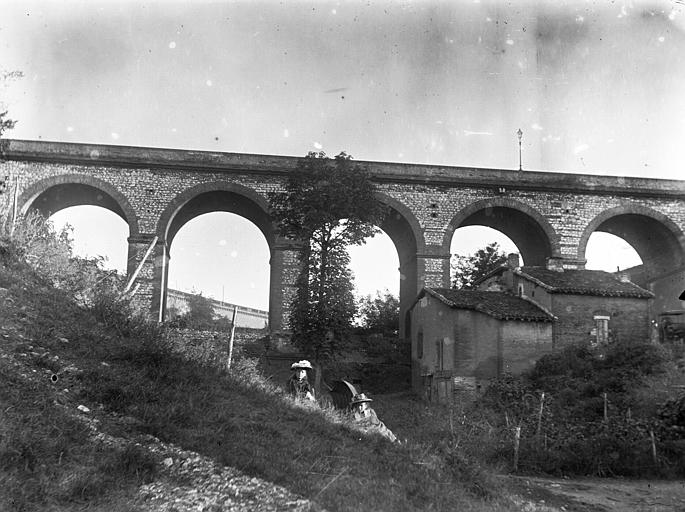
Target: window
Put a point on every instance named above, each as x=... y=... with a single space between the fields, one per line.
x=419 y=344
x=601 y=329
x=445 y=360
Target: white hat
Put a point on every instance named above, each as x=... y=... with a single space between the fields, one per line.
x=304 y=364
x=361 y=397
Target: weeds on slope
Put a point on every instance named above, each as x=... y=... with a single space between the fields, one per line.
x=106 y=356
x=241 y=420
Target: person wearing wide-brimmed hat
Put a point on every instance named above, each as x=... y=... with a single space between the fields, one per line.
x=298 y=384
x=366 y=417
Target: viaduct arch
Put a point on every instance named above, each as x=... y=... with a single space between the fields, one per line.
x=546 y=214
x=657 y=239
x=527 y=228
x=50 y=195
x=404 y=230
x=215 y=196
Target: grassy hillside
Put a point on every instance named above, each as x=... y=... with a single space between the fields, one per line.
x=61 y=352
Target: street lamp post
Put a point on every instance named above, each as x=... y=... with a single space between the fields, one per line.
x=520 y=136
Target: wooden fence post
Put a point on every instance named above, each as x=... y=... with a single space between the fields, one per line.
x=230 y=340
x=542 y=405
x=654 y=457
x=606 y=409
x=517 y=439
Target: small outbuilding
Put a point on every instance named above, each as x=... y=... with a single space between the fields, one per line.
x=591 y=306
x=463 y=338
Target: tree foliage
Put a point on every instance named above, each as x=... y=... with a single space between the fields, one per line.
x=34 y=240
x=466 y=270
x=380 y=314
x=5 y=122
x=200 y=314
x=328 y=204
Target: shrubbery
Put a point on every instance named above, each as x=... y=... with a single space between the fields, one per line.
x=579 y=413
x=32 y=240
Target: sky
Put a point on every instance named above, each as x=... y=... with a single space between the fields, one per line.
x=596 y=87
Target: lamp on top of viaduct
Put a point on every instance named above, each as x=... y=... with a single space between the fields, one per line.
x=548 y=215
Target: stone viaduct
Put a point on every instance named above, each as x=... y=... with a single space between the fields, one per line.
x=548 y=215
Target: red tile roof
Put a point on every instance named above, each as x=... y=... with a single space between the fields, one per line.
x=583 y=282
x=502 y=306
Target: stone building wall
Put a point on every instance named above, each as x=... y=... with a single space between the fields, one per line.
x=629 y=318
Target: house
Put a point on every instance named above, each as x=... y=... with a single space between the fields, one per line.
x=589 y=305
x=463 y=338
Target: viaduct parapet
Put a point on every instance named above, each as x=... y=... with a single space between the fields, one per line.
x=251 y=318
x=549 y=216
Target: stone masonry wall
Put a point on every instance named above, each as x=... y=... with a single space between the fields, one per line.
x=149 y=185
x=629 y=318
x=569 y=214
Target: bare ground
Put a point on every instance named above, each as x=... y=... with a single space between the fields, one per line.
x=599 y=494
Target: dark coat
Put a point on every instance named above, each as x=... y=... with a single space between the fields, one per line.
x=299 y=388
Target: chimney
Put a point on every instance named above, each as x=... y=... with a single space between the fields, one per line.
x=513 y=260
x=623 y=276
x=555 y=264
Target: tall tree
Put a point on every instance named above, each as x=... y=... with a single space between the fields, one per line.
x=328 y=204
x=466 y=270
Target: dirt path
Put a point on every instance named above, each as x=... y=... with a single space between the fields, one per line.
x=602 y=495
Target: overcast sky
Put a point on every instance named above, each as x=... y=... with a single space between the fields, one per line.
x=596 y=87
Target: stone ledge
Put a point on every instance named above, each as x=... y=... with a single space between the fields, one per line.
x=502 y=181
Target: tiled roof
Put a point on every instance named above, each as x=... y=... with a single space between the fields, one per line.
x=583 y=282
x=496 y=304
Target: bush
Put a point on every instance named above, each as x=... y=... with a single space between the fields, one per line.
x=578 y=376
x=587 y=423
x=32 y=240
x=671 y=416
x=619 y=446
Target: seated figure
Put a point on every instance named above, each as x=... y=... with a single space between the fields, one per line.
x=367 y=419
x=298 y=384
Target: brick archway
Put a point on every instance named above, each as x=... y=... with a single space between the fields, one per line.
x=404 y=230
x=658 y=240
x=401 y=226
x=51 y=195
x=211 y=197
x=528 y=229
x=228 y=197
